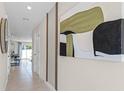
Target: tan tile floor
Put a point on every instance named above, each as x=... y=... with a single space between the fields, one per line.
x=21 y=78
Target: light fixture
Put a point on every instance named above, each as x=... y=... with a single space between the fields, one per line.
x=29 y=7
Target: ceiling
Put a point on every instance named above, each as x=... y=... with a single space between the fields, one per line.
x=22 y=21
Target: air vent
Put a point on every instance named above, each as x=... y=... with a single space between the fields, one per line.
x=25 y=19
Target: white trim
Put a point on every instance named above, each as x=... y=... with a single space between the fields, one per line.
x=3 y=88
x=49 y=86
x=5 y=85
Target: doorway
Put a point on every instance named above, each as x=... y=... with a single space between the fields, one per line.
x=21 y=54
x=26 y=51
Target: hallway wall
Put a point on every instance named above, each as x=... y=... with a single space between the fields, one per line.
x=3 y=57
x=41 y=52
x=88 y=74
x=75 y=73
x=52 y=46
x=40 y=65
x=43 y=48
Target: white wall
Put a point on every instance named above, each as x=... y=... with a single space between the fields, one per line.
x=43 y=32
x=40 y=48
x=3 y=58
x=82 y=74
x=51 y=46
x=40 y=31
x=111 y=10
x=122 y=10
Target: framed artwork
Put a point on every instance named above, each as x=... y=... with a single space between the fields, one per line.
x=4 y=35
x=76 y=32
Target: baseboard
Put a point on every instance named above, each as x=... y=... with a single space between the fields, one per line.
x=50 y=86
x=47 y=84
x=5 y=84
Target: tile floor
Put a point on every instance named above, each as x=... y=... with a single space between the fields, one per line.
x=21 y=78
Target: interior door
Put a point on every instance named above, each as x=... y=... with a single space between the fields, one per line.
x=38 y=53
x=34 y=52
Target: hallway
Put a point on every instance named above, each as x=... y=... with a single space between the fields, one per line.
x=23 y=28
x=21 y=78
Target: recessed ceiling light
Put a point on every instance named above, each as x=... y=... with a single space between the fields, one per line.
x=29 y=7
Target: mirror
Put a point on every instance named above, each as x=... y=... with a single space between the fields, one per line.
x=4 y=35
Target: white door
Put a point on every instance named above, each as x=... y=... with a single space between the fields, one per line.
x=38 y=53
x=34 y=52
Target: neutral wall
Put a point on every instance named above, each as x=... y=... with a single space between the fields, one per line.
x=43 y=32
x=39 y=49
x=51 y=45
x=122 y=10
x=107 y=9
x=86 y=74
x=82 y=74
x=3 y=58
